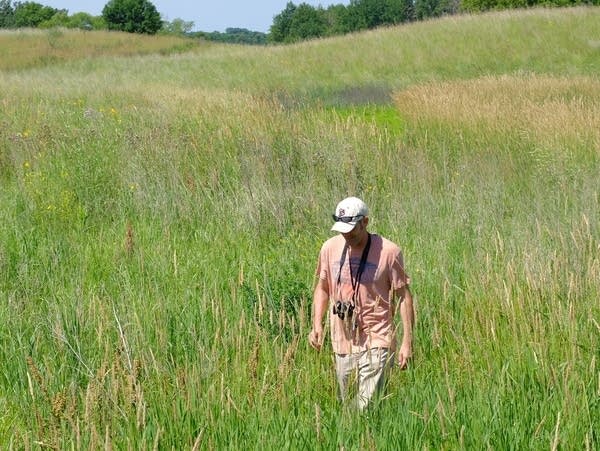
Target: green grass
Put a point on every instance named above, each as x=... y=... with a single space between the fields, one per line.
x=30 y=48
x=162 y=215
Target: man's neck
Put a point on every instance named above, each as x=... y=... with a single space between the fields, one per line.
x=360 y=243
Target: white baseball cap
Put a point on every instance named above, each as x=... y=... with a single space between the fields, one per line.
x=348 y=213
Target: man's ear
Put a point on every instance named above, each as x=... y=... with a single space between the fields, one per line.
x=366 y=221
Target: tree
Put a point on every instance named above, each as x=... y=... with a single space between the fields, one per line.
x=178 y=27
x=300 y=22
x=334 y=15
x=233 y=36
x=133 y=16
x=307 y=22
x=83 y=21
x=408 y=9
x=375 y=13
x=7 y=14
x=435 y=8
x=478 y=5
x=32 y=14
x=60 y=19
x=280 y=29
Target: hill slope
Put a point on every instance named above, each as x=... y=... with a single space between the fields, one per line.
x=553 y=41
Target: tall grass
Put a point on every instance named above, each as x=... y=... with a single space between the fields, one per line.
x=162 y=218
x=29 y=48
x=518 y=222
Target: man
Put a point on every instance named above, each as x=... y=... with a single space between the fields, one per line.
x=361 y=278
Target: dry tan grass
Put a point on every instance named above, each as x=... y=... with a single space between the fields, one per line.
x=545 y=109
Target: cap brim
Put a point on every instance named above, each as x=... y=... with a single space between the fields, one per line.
x=343 y=227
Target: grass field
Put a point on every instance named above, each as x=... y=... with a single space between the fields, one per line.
x=29 y=48
x=163 y=210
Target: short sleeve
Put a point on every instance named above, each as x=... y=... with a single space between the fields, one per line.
x=398 y=277
x=322 y=271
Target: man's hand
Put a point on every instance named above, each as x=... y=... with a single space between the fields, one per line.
x=404 y=356
x=315 y=338
x=407 y=313
x=320 y=302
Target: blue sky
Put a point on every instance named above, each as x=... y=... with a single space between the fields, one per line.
x=207 y=15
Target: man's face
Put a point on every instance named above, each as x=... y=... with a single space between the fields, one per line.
x=357 y=234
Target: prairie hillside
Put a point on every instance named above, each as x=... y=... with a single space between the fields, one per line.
x=163 y=205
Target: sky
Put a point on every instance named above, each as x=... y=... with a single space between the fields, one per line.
x=207 y=15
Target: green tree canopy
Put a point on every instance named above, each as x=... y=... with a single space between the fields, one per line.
x=304 y=21
x=334 y=15
x=280 y=29
x=376 y=13
x=178 y=27
x=86 y=21
x=307 y=22
x=300 y=22
x=133 y=16
x=32 y=14
x=81 y=20
x=234 y=36
x=435 y=8
x=7 y=14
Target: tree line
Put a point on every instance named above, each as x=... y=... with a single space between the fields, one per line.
x=303 y=21
x=294 y=23
x=135 y=16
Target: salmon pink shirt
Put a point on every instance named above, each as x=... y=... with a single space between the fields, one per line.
x=372 y=323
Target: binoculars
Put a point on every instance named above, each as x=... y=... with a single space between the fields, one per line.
x=342 y=308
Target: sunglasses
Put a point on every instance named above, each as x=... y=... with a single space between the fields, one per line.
x=347 y=219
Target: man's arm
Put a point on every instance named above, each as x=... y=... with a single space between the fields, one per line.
x=407 y=314
x=320 y=303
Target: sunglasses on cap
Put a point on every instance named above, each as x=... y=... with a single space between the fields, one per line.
x=347 y=219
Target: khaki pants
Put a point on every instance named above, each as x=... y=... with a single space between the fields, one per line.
x=369 y=368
